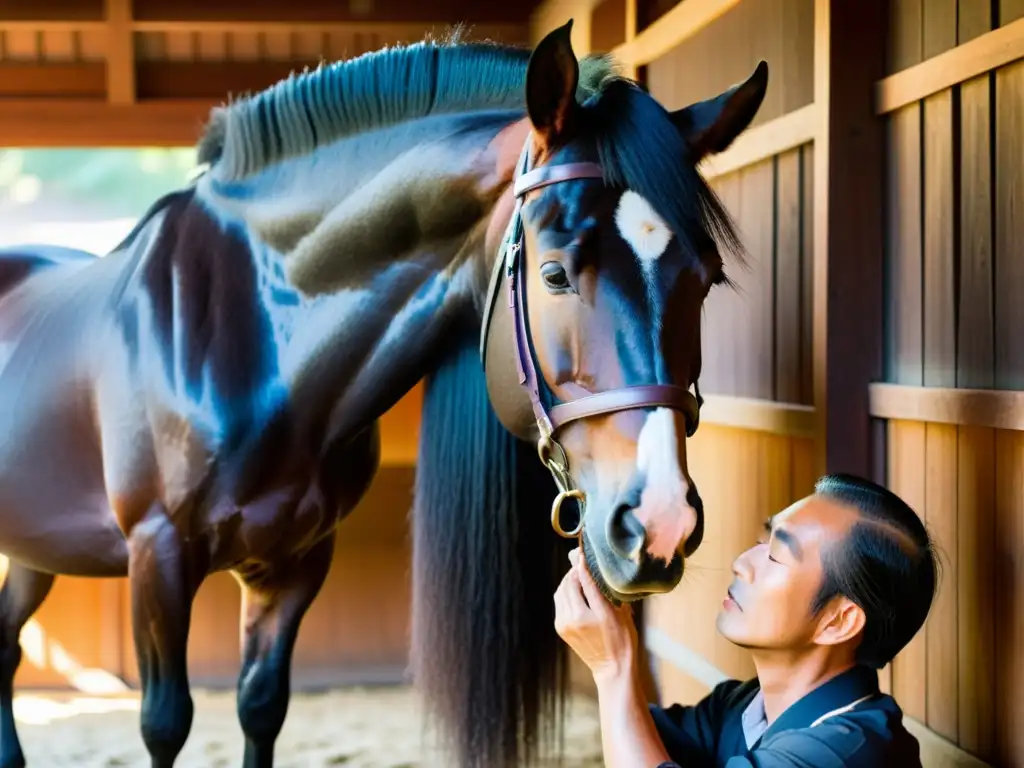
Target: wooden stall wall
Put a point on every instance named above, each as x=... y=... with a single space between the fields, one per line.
x=954 y=315
x=753 y=454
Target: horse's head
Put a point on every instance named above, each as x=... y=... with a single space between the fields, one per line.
x=613 y=256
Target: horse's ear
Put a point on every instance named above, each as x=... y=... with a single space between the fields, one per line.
x=551 y=80
x=710 y=126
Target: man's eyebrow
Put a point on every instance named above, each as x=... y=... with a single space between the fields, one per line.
x=790 y=541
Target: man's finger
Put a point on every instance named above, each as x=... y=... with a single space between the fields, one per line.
x=597 y=601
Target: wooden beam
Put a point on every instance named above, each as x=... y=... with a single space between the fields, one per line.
x=849 y=173
x=758 y=415
x=982 y=54
x=159 y=80
x=95 y=123
x=551 y=14
x=83 y=79
x=388 y=30
x=999 y=409
x=120 y=52
x=685 y=20
x=765 y=141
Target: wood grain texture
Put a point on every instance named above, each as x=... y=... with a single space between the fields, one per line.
x=787 y=278
x=907 y=461
x=942 y=626
x=939 y=245
x=1009 y=608
x=975 y=587
x=1009 y=227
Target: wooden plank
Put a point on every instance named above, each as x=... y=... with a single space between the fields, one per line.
x=941 y=628
x=211 y=79
x=939 y=245
x=758 y=415
x=982 y=54
x=905 y=310
x=72 y=80
x=1009 y=579
x=120 y=52
x=52 y=10
x=976 y=626
x=317 y=11
x=53 y=123
x=796 y=76
x=1000 y=409
x=723 y=311
x=975 y=332
x=764 y=141
x=757 y=192
x=682 y=22
x=937 y=752
x=59 y=45
x=849 y=242
x=405 y=30
x=938 y=33
x=807 y=274
x=1009 y=215
x=1010 y=11
x=905 y=33
x=608 y=24
x=907 y=453
x=787 y=278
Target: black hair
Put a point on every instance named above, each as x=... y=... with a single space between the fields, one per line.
x=886 y=565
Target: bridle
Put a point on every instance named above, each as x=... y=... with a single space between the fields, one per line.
x=511 y=264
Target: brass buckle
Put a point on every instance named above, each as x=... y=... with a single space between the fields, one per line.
x=553 y=457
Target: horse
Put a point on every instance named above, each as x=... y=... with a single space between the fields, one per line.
x=525 y=231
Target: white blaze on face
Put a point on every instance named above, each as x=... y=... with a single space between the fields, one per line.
x=663 y=509
x=641 y=226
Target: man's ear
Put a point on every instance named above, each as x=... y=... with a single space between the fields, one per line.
x=841 y=622
x=710 y=126
x=551 y=79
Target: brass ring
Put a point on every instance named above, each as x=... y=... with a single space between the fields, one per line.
x=556 y=507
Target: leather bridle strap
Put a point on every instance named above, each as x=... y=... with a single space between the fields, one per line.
x=601 y=403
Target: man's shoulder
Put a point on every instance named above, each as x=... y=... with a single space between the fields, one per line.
x=872 y=734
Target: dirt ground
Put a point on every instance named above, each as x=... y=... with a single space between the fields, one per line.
x=355 y=728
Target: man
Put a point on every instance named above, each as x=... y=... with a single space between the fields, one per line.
x=839 y=584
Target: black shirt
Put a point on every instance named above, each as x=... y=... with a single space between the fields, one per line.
x=844 y=723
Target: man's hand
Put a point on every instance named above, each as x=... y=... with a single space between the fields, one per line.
x=603 y=636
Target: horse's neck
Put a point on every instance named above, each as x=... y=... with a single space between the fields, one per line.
x=343 y=223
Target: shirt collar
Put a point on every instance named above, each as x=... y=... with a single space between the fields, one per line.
x=842 y=692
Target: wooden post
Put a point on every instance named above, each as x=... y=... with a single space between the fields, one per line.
x=120 y=52
x=849 y=185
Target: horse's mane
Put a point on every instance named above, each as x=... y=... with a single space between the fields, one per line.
x=639 y=146
x=374 y=90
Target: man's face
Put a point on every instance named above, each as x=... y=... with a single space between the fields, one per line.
x=775 y=582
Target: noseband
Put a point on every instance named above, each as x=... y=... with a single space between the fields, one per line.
x=511 y=262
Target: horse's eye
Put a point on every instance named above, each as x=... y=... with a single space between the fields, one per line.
x=554 y=276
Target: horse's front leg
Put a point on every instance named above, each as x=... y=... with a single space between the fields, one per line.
x=273 y=603
x=162 y=589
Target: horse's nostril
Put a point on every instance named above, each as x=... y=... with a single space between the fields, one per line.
x=626 y=534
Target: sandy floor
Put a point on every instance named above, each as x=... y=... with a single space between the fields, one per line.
x=355 y=728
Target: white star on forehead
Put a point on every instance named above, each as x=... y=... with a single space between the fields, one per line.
x=641 y=226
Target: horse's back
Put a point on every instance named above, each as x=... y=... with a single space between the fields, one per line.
x=17 y=262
